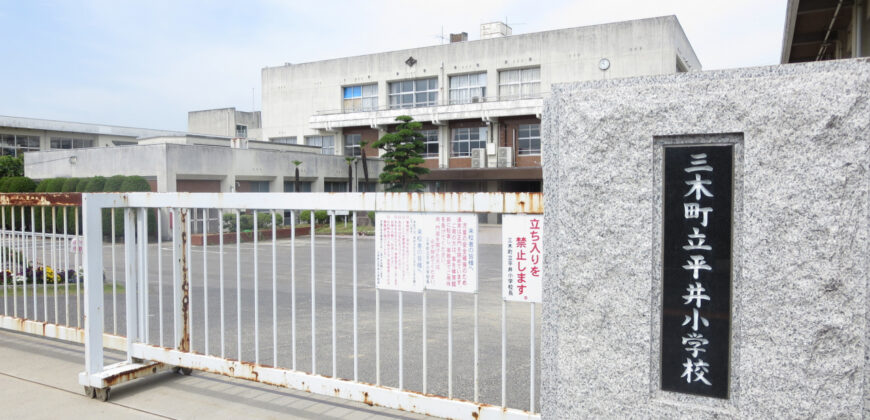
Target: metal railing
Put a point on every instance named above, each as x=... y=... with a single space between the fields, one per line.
x=41 y=245
x=239 y=303
x=441 y=102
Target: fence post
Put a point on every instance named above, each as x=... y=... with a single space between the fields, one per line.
x=93 y=270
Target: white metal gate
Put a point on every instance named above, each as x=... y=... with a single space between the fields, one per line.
x=174 y=331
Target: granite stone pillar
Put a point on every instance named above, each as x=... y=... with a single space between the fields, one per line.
x=799 y=277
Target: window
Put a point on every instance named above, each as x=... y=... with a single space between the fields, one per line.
x=335 y=186
x=431 y=142
x=258 y=186
x=466 y=139
x=283 y=140
x=467 y=88
x=326 y=143
x=351 y=144
x=529 y=139
x=360 y=98
x=241 y=131
x=70 y=143
x=522 y=83
x=363 y=187
x=303 y=186
x=11 y=144
x=414 y=93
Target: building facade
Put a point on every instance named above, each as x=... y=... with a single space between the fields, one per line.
x=225 y=122
x=19 y=135
x=480 y=101
x=825 y=30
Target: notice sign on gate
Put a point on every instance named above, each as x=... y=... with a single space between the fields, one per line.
x=522 y=257
x=435 y=251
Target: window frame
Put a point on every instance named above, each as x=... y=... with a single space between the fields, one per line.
x=353 y=148
x=401 y=94
x=362 y=93
x=519 y=83
x=428 y=141
x=309 y=140
x=529 y=139
x=467 y=132
x=467 y=88
x=73 y=142
x=18 y=143
x=241 y=131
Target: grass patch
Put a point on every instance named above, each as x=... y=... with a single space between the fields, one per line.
x=341 y=229
x=107 y=288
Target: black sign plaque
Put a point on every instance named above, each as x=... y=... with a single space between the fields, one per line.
x=696 y=289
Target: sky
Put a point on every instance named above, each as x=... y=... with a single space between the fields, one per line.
x=147 y=63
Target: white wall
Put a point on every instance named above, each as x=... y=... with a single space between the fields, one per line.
x=293 y=93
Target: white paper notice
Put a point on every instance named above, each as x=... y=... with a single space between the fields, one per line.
x=437 y=251
x=522 y=259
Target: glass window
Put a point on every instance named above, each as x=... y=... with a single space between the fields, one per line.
x=360 y=98
x=335 y=186
x=520 y=83
x=303 y=186
x=241 y=131
x=284 y=140
x=431 y=142
x=12 y=144
x=351 y=144
x=467 y=88
x=259 y=186
x=70 y=143
x=529 y=139
x=466 y=139
x=414 y=93
x=326 y=143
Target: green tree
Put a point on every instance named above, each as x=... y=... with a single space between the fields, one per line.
x=350 y=161
x=11 y=166
x=296 y=180
x=402 y=149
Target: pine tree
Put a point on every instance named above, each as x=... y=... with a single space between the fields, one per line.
x=402 y=149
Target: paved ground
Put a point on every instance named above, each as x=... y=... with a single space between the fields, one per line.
x=258 y=337
x=38 y=381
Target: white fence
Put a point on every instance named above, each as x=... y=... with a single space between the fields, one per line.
x=243 y=309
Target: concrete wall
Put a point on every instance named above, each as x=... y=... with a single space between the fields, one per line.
x=168 y=163
x=293 y=93
x=223 y=121
x=800 y=330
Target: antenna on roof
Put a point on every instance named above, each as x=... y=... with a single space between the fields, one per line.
x=441 y=37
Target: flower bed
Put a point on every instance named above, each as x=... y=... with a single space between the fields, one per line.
x=43 y=274
x=248 y=236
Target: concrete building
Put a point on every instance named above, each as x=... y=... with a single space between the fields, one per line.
x=825 y=30
x=225 y=122
x=19 y=135
x=480 y=101
x=196 y=163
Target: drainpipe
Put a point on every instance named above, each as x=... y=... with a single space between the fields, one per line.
x=859 y=29
x=824 y=46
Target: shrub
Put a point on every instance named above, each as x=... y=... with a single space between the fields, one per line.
x=229 y=221
x=95 y=184
x=247 y=221
x=321 y=216
x=40 y=188
x=113 y=183
x=54 y=185
x=264 y=220
x=4 y=182
x=135 y=183
x=70 y=185
x=82 y=185
x=371 y=215
x=18 y=184
x=305 y=216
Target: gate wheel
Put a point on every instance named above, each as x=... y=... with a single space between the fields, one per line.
x=90 y=392
x=102 y=394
